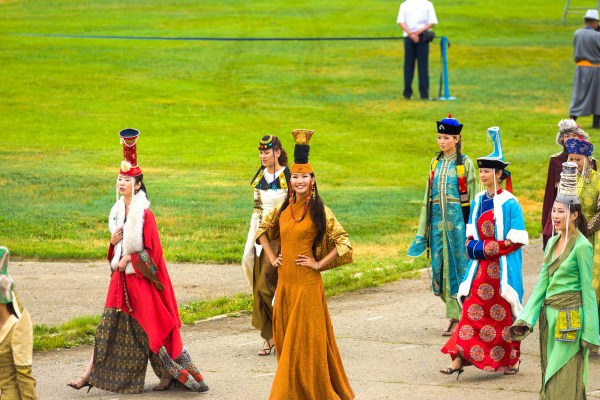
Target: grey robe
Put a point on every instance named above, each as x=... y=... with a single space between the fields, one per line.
x=586 y=82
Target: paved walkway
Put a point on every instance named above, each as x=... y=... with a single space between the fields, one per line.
x=389 y=338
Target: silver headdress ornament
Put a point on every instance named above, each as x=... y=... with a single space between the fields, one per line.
x=567 y=188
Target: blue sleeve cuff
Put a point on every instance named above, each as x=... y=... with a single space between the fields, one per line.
x=475 y=250
x=418 y=246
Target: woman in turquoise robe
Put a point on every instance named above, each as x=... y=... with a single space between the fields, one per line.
x=449 y=191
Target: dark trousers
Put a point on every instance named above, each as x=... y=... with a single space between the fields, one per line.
x=416 y=52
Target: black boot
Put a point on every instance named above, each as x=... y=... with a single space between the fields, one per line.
x=573 y=117
x=596 y=123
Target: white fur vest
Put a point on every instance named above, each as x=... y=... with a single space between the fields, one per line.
x=133 y=229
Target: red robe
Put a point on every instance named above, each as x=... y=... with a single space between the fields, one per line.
x=155 y=310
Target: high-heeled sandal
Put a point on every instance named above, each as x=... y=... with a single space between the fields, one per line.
x=84 y=383
x=513 y=370
x=450 y=371
x=266 y=351
x=164 y=386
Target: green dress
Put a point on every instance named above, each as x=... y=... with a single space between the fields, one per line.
x=565 y=303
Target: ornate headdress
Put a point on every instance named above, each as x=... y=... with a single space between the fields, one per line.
x=579 y=146
x=129 y=165
x=567 y=126
x=495 y=160
x=449 y=126
x=567 y=187
x=301 y=166
x=567 y=193
x=266 y=142
x=302 y=138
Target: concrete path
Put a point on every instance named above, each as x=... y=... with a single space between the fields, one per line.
x=389 y=339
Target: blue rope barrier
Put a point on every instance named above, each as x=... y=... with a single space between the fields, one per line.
x=444 y=44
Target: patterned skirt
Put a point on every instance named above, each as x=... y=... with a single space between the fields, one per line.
x=482 y=337
x=121 y=354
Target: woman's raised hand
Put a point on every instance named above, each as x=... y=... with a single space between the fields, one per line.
x=307 y=262
x=123 y=262
x=116 y=237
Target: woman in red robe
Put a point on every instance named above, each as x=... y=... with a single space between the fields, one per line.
x=492 y=291
x=140 y=320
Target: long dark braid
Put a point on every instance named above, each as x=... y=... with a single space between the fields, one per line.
x=580 y=222
x=459 y=157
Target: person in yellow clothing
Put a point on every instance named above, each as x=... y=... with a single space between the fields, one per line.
x=312 y=240
x=16 y=340
x=588 y=189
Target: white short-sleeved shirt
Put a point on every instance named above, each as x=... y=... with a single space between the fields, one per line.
x=416 y=14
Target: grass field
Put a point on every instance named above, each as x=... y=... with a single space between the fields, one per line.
x=202 y=106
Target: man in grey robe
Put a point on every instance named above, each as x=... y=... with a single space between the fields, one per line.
x=586 y=83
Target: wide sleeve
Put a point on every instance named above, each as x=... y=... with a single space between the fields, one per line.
x=270 y=226
x=335 y=238
x=419 y=244
x=22 y=349
x=517 y=232
x=528 y=317
x=589 y=333
x=144 y=261
x=472 y=179
x=594 y=221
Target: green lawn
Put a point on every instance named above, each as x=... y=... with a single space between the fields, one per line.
x=202 y=107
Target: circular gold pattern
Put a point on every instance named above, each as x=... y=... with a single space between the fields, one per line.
x=497 y=353
x=485 y=291
x=497 y=312
x=493 y=270
x=478 y=273
x=487 y=229
x=506 y=334
x=477 y=353
x=487 y=333
x=475 y=312
x=466 y=332
x=491 y=249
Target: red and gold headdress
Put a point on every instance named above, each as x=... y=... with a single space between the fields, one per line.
x=302 y=138
x=129 y=165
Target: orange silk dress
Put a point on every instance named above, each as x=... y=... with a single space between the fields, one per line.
x=309 y=363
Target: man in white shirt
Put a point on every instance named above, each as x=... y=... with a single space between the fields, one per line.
x=415 y=17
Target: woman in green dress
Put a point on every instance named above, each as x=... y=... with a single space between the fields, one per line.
x=564 y=300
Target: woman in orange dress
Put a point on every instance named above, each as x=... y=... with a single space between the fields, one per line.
x=312 y=240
